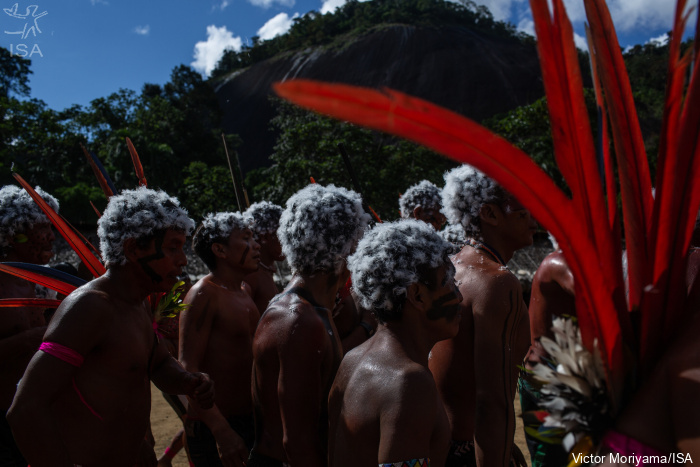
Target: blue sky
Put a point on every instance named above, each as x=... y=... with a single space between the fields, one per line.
x=85 y=49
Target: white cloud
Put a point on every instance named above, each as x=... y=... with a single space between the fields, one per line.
x=276 y=26
x=142 y=30
x=580 y=42
x=223 y=5
x=208 y=53
x=500 y=9
x=100 y=2
x=659 y=41
x=269 y=3
x=329 y=6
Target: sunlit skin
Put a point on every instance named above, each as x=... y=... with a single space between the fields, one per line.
x=22 y=328
x=384 y=406
x=108 y=322
x=477 y=371
x=552 y=295
x=297 y=352
x=216 y=336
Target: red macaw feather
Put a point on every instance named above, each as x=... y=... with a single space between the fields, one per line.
x=573 y=140
x=604 y=144
x=33 y=302
x=376 y=216
x=137 y=163
x=38 y=278
x=465 y=141
x=66 y=231
x=635 y=181
x=106 y=189
x=675 y=189
x=312 y=180
x=97 y=211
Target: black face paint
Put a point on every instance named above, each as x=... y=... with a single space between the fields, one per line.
x=143 y=262
x=439 y=310
x=244 y=255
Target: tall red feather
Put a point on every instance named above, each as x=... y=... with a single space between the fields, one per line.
x=98 y=174
x=137 y=163
x=635 y=181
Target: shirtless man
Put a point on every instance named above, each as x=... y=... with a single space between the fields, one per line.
x=264 y=218
x=422 y=201
x=85 y=398
x=296 y=349
x=25 y=236
x=384 y=407
x=552 y=296
x=477 y=371
x=216 y=336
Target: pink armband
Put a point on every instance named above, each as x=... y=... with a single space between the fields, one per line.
x=62 y=352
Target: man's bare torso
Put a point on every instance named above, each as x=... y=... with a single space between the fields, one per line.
x=453 y=361
x=291 y=322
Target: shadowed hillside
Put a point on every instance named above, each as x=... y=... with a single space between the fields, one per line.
x=472 y=71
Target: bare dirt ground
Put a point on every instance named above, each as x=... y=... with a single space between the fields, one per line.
x=165 y=424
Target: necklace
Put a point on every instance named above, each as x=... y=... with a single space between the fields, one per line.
x=488 y=249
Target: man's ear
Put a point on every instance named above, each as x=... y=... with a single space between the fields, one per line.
x=489 y=214
x=218 y=249
x=416 y=294
x=131 y=249
x=418 y=212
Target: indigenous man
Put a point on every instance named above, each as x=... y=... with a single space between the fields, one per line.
x=552 y=296
x=384 y=407
x=25 y=236
x=85 y=398
x=216 y=336
x=264 y=218
x=477 y=371
x=422 y=201
x=296 y=347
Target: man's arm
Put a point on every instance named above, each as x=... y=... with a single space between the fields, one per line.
x=195 y=329
x=498 y=324
x=78 y=325
x=407 y=420
x=300 y=393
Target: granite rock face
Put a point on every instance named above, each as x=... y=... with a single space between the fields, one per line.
x=470 y=72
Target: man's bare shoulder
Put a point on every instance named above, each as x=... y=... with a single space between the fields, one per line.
x=292 y=317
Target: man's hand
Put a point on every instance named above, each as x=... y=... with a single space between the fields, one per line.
x=200 y=388
x=232 y=450
x=146 y=457
x=516 y=457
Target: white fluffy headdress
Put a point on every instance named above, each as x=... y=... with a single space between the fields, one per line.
x=19 y=212
x=136 y=214
x=466 y=191
x=454 y=233
x=390 y=258
x=220 y=225
x=424 y=194
x=320 y=226
x=264 y=218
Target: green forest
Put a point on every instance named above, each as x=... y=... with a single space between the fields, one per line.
x=176 y=127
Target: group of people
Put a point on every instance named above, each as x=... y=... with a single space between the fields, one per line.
x=390 y=345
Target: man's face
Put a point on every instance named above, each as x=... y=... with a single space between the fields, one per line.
x=35 y=245
x=272 y=244
x=519 y=224
x=242 y=251
x=446 y=298
x=164 y=259
x=431 y=216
